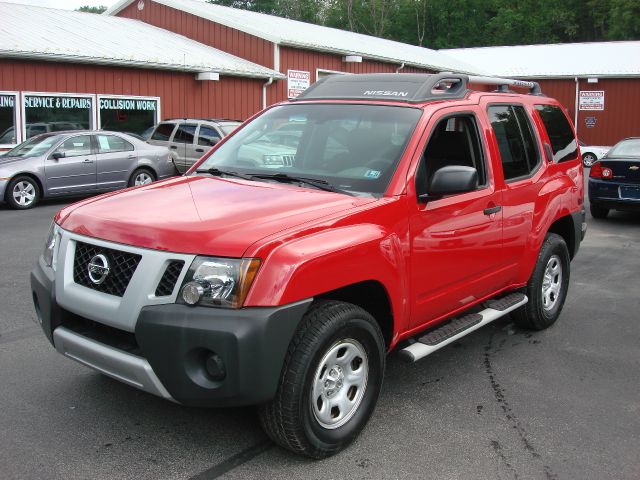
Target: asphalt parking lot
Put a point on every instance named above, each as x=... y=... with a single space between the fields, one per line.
x=503 y=403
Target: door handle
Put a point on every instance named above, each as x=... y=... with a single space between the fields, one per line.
x=492 y=210
x=173 y=147
x=87 y=160
x=200 y=150
x=131 y=156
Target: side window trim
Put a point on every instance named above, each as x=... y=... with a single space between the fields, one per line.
x=534 y=134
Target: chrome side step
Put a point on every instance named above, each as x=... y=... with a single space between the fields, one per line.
x=461 y=326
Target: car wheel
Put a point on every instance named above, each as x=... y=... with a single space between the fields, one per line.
x=22 y=193
x=547 y=288
x=598 y=212
x=141 y=176
x=330 y=381
x=588 y=159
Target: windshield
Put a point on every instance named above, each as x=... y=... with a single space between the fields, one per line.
x=34 y=146
x=352 y=147
x=626 y=148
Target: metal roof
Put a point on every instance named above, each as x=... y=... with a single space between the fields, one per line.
x=286 y=32
x=600 y=59
x=28 y=31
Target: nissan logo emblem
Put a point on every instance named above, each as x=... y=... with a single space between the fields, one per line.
x=98 y=269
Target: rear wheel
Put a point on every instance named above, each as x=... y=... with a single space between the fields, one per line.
x=588 y=159
x=598 y=212
x=547 y=287
x=330 y=381
x=141 y=176
x=22 y=192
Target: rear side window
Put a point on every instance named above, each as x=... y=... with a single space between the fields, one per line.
x=185 y=133
x=112 y=144
x=563 y=142
x=163 y=132
x=516 y=143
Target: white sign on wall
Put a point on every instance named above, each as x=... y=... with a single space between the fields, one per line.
x=297 y=82
x=592 y=100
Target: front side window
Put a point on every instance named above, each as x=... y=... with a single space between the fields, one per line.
x=563 y=141
x=56 y=113
x=132 y=115
x=513 y=131
x=207 y=136
x=112 y=144
x=163 y=132
x=75 y=146
x=351 y=147
x=8 y=131
x=185 y=134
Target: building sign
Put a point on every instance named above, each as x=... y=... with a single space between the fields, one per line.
x=592 y=100
x=56 y=113
x=7 y=101
x=56 y=102
x=127 y=104
x=8 y=133
x=297 y=82
x=590 y=122
x=131 y=115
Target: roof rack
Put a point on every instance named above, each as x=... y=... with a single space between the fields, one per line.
x=405 y=87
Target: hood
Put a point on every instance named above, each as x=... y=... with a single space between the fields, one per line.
x=4 y=160
x=201 y=215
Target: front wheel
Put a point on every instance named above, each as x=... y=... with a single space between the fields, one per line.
x=22 y=192
x=547 y=287
x=330 y=381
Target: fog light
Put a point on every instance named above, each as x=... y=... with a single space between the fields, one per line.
x=192 y=292
x=214 y=366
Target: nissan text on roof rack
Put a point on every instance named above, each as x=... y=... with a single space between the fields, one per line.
x=404 y=212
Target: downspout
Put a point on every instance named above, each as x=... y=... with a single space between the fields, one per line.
x=577 y=104
x=400 y=68
x=264 y=92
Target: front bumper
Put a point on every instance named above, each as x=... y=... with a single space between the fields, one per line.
x=166 y=354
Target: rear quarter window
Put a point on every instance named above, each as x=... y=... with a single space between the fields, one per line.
x=563 y=141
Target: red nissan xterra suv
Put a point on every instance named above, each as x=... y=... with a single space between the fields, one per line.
x=373 y=213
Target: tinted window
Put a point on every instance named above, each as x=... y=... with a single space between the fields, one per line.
x=208 y=136
x=163 y=132
x=76 y=146
x=563 y=142
x=185 y=133
x=454 y=141
x=111 y=144
x=515 y=139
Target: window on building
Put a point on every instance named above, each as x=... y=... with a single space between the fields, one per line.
x=163 y=132
x=563 y=141
x=56 y=113
x=207 y=136
x=516 y=143
x=75 y=146
x=8 y=123
x=112 y=144
x=132 y=115
x=185 y=133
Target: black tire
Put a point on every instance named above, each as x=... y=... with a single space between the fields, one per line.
x=290 y=419
x=28 y=199
x=141 y=172
x=589 y=159
x=535 y=315
x=598 y=211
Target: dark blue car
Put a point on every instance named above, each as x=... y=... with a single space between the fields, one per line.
x=614 y=181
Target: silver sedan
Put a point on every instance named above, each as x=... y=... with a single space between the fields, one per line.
x=78 y=163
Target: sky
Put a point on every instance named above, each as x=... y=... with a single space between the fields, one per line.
x=66 y=4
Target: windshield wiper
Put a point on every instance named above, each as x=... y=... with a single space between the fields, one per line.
x=314 y=182
x=219 y=173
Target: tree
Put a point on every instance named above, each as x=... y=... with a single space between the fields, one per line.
x=90 y=9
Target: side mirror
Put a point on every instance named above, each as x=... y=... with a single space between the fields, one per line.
x=57 y=155
x=451 y=179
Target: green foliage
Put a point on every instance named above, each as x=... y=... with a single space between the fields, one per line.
x=465 y=23
x=89 y=9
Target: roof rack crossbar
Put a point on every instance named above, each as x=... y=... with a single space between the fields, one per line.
x=534 y=87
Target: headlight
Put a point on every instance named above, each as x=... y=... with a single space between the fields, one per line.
x=218 y=282
x=50 y=246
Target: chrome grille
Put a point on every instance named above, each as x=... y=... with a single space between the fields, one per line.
x=122 y=266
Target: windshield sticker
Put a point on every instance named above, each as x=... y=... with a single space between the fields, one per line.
x=372 y=174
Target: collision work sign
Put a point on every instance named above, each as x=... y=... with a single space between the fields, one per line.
x=297 y=82
x=592 y=100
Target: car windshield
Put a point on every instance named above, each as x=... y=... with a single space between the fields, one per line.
x=355 y=148
x=626 y=148
x=34 y=146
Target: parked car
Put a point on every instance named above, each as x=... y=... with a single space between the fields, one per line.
x=592 y=153
x=284 y=284
x=78 y=162
x=190 y=138
x=614 y=181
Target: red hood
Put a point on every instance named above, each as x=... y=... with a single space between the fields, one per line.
x=201 y=215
